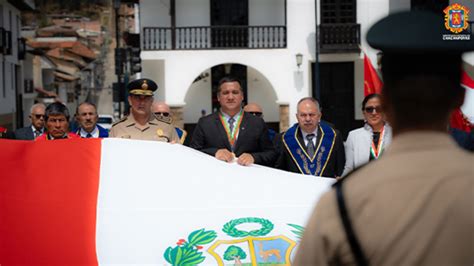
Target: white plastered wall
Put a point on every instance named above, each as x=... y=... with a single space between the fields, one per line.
x=277 y=66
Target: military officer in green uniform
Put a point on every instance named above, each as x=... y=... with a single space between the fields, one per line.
x=141 y=123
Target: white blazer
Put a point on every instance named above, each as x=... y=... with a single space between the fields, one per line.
x=357 y=146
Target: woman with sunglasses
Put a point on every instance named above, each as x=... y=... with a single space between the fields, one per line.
x=368 y=142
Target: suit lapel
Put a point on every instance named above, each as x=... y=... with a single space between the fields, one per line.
x=299 y=136
x=221 y=130
x=363 y=149
x=318 y=137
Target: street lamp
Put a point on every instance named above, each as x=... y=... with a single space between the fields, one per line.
x=299 y=59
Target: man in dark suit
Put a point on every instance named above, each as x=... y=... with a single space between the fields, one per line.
x=36 y=128
x=231 y=133
x=311 y=146
x=86 y=117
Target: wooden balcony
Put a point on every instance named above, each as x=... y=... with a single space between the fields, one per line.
x=214 y=37
x=339 y=38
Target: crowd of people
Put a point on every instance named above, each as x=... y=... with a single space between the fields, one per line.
x=235 y=133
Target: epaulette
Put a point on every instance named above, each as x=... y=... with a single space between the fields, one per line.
x=164 y=119
x=120 y=121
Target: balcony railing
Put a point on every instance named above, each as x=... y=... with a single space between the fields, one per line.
x=339 y=38
x=214 y=37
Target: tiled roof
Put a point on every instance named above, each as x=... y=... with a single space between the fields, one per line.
x=83 y=50
x=74 y=47
x=61 y=53
x=56 y=32
x=65 y=76
x=65 y=66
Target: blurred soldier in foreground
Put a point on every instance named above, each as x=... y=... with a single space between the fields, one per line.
x=413 y=206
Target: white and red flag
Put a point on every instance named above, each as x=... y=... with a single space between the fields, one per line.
x=128 y=202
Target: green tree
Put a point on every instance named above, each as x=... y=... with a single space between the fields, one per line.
x=235 y=253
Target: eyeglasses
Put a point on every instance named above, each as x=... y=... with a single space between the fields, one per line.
x=259 y=114
x=38 y=116
x=371 y=109
x=162 y=114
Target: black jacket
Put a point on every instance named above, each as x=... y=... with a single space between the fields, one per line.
x=335 y=164
x=24 y=133
x=210 y=136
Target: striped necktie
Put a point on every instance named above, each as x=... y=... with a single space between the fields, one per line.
x=310 y=147
x=231 y=124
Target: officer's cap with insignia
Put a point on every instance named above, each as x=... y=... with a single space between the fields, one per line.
x=415 y=32
x=412 y=44
x=143 y=86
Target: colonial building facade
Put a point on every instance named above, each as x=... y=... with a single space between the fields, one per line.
x=12 y=51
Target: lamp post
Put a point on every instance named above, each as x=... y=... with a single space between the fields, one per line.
x=299 y=60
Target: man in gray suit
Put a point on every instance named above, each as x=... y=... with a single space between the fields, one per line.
x=36 y=128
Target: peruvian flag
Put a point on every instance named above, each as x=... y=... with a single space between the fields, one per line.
x=463 y=117
x=372 y=82
x=115 y=201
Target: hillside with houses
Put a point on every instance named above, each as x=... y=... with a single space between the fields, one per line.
x=67 y=43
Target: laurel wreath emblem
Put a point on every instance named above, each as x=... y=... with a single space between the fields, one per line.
x=231 y=230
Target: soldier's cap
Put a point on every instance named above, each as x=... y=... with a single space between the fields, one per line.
x=142 y=87
x=415 y=32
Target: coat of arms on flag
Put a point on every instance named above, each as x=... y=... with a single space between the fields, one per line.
x=260 y=246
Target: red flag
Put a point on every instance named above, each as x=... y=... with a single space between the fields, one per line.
x=48 y=198
x=458 y=118
x=372 y=82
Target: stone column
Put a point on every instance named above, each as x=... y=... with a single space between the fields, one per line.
x=284 y=117
x=177 y=115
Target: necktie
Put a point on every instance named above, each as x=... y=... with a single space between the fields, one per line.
x=310 y=147
x=231 y=124
x=89 y=135
x=37 y=133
